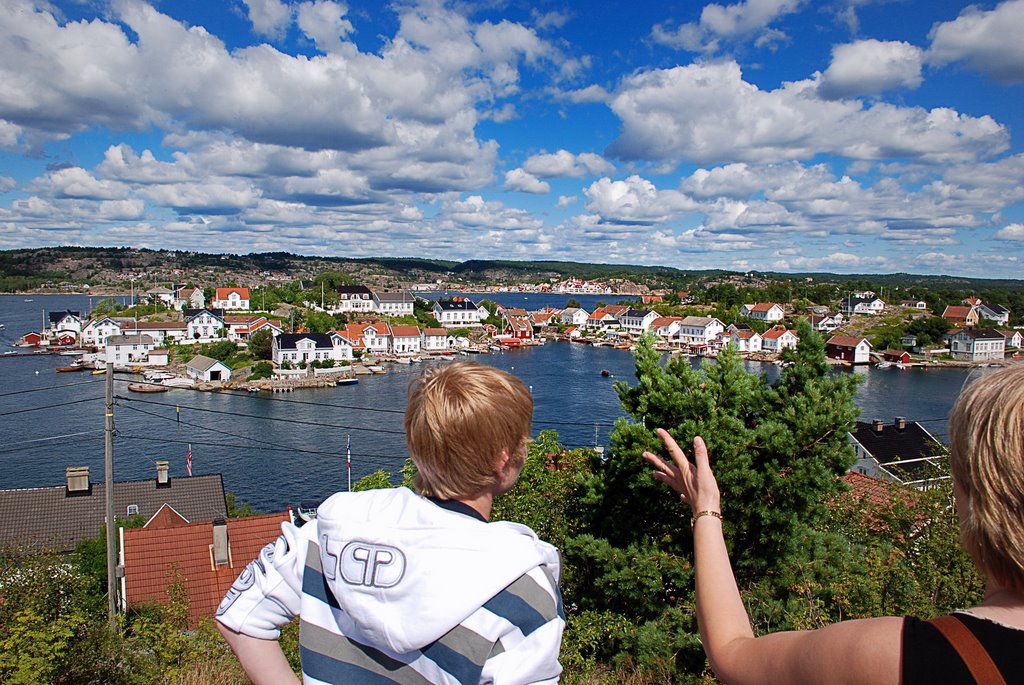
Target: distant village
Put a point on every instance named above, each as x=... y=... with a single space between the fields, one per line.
x=977 y=330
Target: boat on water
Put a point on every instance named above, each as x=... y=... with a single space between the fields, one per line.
x=347 y=381
x=403 y=360
x=177 y=383
x=606 y=373
x=158 y=375
x=98 y=372
x=69 y=369
x=147 y=387
x=883 y=365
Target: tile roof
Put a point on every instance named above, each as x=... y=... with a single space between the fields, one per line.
x=52 y=517
x=954 y=311
x=762 y=306
x=442 y=332
x=405 y=331
x=777 y=332
x=157 y=555
x=202 y=363
x=224 y=293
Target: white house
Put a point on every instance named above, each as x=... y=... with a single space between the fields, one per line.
x=861 y=305
x=203 y=325
x=996 y=313
x=66 y=322
x=295 y=348
x=375 y=337
x=434 y=340
x=763 y=311
x=208 y=370
x=458 y=313
x=822 y=322
x=160 y=295
x=700 y=330
x=601 y=319
x=96 y=331
x=975 y=344
x=637 y=321
x=190 y=298
x=744 y=340
x=394 y=304
x=356 y=299
x=849 y=348
x=574 y=316
x=914 y=304
x=231 y=298
x=778 y=338
x=1014 y=338
x=406 y=340
x=666 y=328
x=242 y=326
x=176 y=331
x=130 y=350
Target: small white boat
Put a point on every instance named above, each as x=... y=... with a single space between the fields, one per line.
x=178 y=383
x=884 y=365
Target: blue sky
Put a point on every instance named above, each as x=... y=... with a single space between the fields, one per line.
x=850 y=136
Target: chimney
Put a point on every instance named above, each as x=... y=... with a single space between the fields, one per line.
x=78 y=479
x=878 y=426
x=220 y=548
x=162 y=477
x=901 y=423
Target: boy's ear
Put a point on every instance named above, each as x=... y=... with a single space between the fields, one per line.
x=502 y=461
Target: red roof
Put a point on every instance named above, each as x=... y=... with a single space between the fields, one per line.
x=763 y=306
x=224 y=293
x=405 y=331
x=776 y=332
x=443 y=332
x=955 y=311
x=166 y=548
x=845 y=341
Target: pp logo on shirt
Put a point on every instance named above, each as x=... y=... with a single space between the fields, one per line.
x=363 y=563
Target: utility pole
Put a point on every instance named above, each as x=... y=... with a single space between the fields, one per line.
x=108 y=467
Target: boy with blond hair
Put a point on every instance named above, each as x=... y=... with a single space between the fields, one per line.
x=397 y=587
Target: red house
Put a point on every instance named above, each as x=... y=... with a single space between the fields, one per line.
x=896 y=356
x=518 y=328
x=31 y=339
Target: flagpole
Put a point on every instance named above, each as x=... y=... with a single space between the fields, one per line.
x=348 y=459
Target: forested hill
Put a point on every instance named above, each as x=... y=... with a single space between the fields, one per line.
x=39 y=267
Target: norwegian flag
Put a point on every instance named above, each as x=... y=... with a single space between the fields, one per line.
x=188 y=461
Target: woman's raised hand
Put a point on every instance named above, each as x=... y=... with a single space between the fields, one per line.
x=694 y=481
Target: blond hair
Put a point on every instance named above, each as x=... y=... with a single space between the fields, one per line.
x=459 y=419
x=986 y=431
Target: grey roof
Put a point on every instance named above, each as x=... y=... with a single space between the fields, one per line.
x=288 y=341
x=699 y=321
x=136 y=339
x=401 y=296
x=190 y=313
x=637 y=313
x=55 y=317
x=53 y=518
x=202 y=363
x=981 y=334
x=353 y=289
x=893 y=445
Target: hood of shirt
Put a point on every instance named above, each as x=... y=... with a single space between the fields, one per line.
x=405 y=571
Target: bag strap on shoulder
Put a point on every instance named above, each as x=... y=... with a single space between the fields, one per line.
x=971 y=651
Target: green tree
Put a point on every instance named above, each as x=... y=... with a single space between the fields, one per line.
x=319 y=322
x=777 y=450
x=261 y=344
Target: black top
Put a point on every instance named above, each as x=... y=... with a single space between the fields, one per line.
x=929 y=659
x=458 y=507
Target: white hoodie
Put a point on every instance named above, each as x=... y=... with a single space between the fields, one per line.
x=391 y=587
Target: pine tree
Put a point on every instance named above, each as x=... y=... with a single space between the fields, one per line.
x=778 y=450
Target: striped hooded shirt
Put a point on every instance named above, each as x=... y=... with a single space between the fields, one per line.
x=393 y=588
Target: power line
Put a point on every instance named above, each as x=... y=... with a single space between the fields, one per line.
x=293 y=421
x=259 y=398
x=20 y=446
x=49 y=387
x=50 y=406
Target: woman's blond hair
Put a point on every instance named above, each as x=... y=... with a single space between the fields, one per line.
x=459 y=419
x=986 y=431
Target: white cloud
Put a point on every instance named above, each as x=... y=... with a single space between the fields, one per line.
x=566 y=201
x=589 y=95
x=324 y=21
x=75 y=182
x=736 y=22
x=634 y=201
x=524 y=182
x=987 y=40
x=564 y=164
x=269 y=17
x=728 y=119
x=1013 y=232
x=7 y=183
x=870 y=67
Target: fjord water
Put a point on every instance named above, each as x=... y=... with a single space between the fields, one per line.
x=275 y=450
